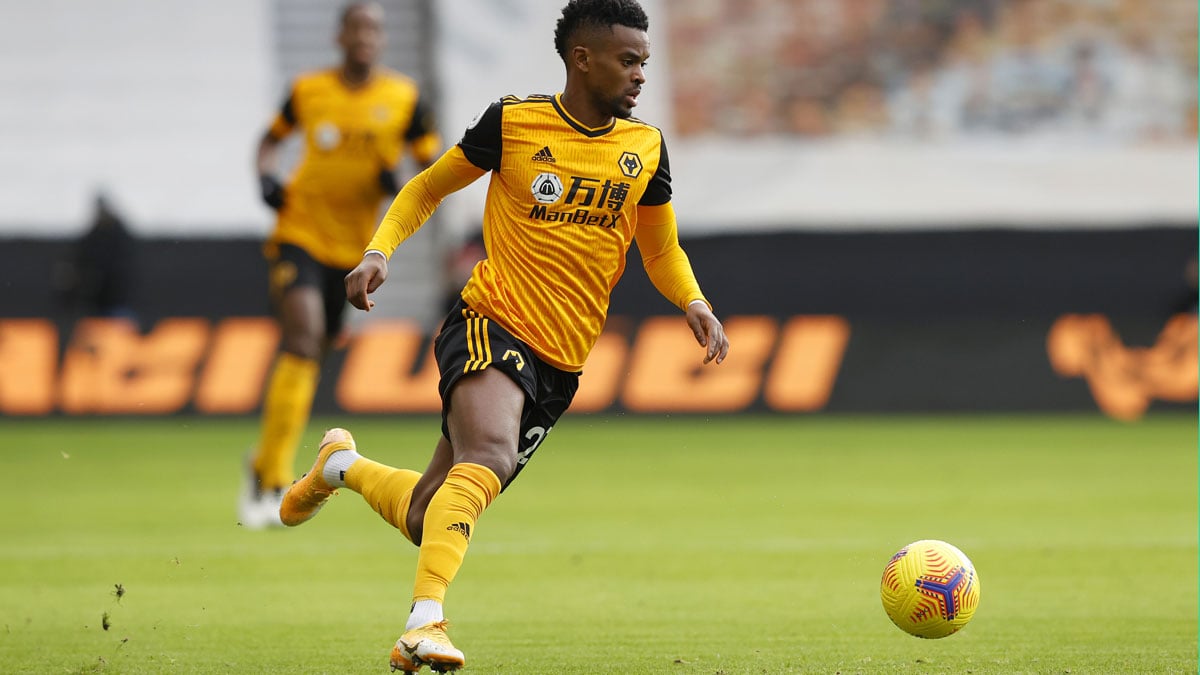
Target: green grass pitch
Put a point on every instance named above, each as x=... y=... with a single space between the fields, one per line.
x=685 y=545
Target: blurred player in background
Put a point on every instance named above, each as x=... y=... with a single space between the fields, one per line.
x=100 y=276
x=574 y=180
x=357 y=119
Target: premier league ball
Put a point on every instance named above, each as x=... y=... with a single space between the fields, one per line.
x=930 y=589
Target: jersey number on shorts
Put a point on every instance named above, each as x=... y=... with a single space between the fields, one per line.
x=535 y=436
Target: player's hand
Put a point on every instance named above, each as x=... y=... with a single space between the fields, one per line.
x=708 y=331
x=272 y=191
x=387 y=180
x=364 y=279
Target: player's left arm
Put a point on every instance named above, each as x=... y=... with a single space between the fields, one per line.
x=670 y=271
x=422 y=141
x=422 y=137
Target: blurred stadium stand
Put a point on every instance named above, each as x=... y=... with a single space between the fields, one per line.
x=936 y=172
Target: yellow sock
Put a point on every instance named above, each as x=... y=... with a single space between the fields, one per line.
x=387 y=490
x=449 y=523
x=285 y=414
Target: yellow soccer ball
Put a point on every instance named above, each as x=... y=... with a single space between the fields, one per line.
x=930 y=589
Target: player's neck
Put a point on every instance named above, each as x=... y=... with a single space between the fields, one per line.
x=355 y=75
x=578 y=106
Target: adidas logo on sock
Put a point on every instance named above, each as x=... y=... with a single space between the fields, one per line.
x=461 y=528
x=544 y=155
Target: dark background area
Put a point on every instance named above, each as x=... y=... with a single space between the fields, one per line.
x=990 y=275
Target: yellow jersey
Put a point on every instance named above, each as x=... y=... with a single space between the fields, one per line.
x=351 y=134
x=564 y=204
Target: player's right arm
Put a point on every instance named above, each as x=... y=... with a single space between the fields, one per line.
x=266 y=160
x=477 y=153
x=411 y=208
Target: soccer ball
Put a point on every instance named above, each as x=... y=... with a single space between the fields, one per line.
x=930 y=589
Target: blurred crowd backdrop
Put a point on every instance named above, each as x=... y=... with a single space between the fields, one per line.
x=1120 y=71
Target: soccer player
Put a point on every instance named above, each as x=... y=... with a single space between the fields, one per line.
x=357 y=120
x=574 y=181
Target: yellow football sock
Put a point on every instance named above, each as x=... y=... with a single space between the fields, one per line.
x=285 y=413
x=386 y=489
x=449 y=522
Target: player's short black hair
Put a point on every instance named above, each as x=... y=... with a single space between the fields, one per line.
x=351 y=7
x=584 y=14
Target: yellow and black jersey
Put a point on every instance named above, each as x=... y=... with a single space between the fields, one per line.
x=351 y=134
x=564 y=204
x=559 y=218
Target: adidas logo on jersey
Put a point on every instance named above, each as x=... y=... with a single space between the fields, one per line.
x=543 y=155
x=462 y=528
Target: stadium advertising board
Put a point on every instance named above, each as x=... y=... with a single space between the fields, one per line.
x=915 y=322
x=791 y=365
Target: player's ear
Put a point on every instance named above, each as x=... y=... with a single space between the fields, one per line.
x=580 y=57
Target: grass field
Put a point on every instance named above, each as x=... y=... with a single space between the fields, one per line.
x=629 y=545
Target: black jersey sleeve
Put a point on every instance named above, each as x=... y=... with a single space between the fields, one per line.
x=422 y=121
x=481 y=141
x=287 y=113
x=288 y=110
x=658 y=191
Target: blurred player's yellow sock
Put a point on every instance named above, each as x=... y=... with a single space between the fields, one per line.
x=285 y=414
x=449 y=522
x=386 y=489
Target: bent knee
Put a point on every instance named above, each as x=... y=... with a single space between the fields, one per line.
x=499 y=455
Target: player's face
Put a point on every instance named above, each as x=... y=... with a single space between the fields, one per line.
x=616 y=73
x=362 y=37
